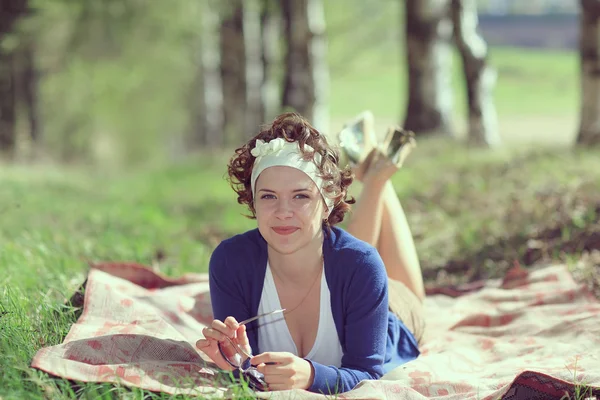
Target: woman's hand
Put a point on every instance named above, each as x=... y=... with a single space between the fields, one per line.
x=218 y=332
x=285 y=370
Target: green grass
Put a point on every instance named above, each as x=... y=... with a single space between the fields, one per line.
x=55 y=220
x=458 y=202
x=581 y=390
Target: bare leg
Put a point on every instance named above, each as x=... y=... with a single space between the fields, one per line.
x=378 y=218
x=396 y=245
x=366 y=221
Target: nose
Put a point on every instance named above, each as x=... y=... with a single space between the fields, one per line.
x=283 y=209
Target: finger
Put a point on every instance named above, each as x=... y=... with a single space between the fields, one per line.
x=231 y=323
x=202 y=343
x=210 y=333
x=228 y=348
x=273 y=357
x=213 y=334
x=261 y=359
x=272 y=371
x=242 y=337
x=276 y=380
x=210 y=352
x=205 y=347
x=283 y=385
x=224 y=329
x=213 y=354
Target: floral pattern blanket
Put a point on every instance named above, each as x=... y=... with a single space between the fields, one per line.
x=531 y=335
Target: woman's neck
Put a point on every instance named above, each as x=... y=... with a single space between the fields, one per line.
x=299 y=267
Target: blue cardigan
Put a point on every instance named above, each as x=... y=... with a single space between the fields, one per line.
x=373 y=339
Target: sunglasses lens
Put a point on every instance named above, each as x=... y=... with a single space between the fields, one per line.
x=232 y=356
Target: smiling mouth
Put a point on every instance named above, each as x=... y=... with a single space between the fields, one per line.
x=288 y=230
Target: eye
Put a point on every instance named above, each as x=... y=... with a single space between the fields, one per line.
x=267 y=196
x=302 y=196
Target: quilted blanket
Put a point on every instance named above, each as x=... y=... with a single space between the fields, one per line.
x=531 y=335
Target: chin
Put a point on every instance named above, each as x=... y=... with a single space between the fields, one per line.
x=283 y=248
x=285 y=244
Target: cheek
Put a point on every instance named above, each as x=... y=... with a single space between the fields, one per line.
x=313 y=212
x=264 y=215
x=261 y=215
x=262 y=208
x=262 y=222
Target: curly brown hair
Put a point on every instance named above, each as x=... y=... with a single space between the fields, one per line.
x=295 y=128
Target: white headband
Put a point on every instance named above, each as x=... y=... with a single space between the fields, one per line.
x=280 y=152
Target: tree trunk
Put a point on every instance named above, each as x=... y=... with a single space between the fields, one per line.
x=480 y=79
x=320 y=67
x=255 y=106
x=429 y=58
x=306 y=80
x=29 y=80
x=206 y=94
x=589 y=53
x=212 y=103
x=270 y=35
x=8 y=106
x=10 y=12
x=197 y=137
x=233 y=73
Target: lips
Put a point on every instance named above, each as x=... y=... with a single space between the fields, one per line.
x=284 y=230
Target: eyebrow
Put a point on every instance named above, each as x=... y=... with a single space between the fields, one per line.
x=293 y=191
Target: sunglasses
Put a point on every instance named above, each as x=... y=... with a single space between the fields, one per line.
x=239 y=359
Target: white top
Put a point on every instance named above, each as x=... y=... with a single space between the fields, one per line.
x=274 y=335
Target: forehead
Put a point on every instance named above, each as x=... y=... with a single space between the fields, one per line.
x=282 y=178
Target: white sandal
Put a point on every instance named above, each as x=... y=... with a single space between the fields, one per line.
x=398 y=144
x=357 y=138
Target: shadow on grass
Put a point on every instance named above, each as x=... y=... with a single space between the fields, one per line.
x=560 y=242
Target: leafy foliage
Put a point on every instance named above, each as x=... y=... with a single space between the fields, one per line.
x=115 y=75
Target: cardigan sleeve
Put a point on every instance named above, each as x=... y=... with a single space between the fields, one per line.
x=225 y=283
x=365 y=316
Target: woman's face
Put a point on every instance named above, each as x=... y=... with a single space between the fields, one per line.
x=289 y=209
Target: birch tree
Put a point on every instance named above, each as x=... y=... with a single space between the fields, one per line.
x=479 y=77
x=10 y=13
x=233 y=71
x=428 y=30
x=209 y=124
x=255 y=71
x=29 y=83
x=589 y=54
x=270 y=25
x=306 y=78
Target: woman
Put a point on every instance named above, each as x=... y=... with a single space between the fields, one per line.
x=351 y=298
